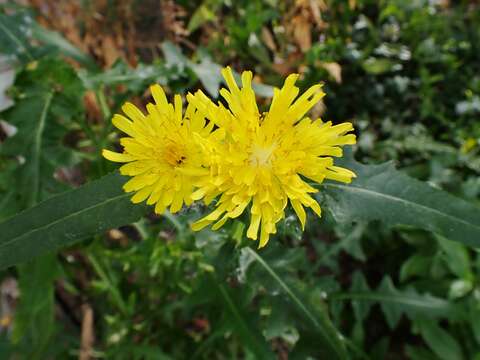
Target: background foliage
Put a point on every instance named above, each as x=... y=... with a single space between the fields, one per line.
x=392 y=279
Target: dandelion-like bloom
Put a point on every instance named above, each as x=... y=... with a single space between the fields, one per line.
x=262 y=160
x=161 y=153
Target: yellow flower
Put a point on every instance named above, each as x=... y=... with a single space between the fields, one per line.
x=260 y=161
x=161 y=153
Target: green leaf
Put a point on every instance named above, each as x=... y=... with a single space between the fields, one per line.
x=135 y=79
x=67 y=218
x=14 y=36
x=18 y=29
x=65 y=47
x=209 y=74
x=34 y=316
x=173 y=56
x=418 y=353
x=249 y=335
x=444 y=345
x=30 y=118
x=396 y=302
x=350 y=236
x=42 y=117
x=361 y=309
x=457 y=258
x=204 y=13
x=382 y=193
x=376 y=66
x=328 y=336
x=207 y=71
x=417 y=265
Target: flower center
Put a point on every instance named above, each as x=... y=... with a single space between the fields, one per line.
x=261 y=155
x=174 y=155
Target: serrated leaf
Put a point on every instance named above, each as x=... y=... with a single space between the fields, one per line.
x=382 y=193
x=361 y=309
x=395 y=302
x=392 y=313
x=67 y=218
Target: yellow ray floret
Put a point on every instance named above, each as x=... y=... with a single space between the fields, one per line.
x=260 y=161
x=161 y=151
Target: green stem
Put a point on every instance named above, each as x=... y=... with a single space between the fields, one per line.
x=116 y=296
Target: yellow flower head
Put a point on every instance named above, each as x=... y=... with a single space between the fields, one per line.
x=260 y=160
x=161 y=153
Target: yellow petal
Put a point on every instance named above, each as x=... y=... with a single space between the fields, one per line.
x=117 y=157
x=141 y=195
x=176 y=203
x=123 y=124
x=252 y=231
x=220 y=223
x=160 y=208
x=200 y=224
x=133 y=112
x=300 y=211
x=229 y=79
x=159 y=95
x=263 y=238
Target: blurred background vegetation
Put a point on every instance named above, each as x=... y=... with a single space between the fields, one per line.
x=406 y=73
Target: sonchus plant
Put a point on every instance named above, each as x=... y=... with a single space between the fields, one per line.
x=245 y=159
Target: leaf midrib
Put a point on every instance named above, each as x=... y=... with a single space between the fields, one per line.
x=46 y=226
x=399 y=299
x=398 y=199
x=37 y=148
